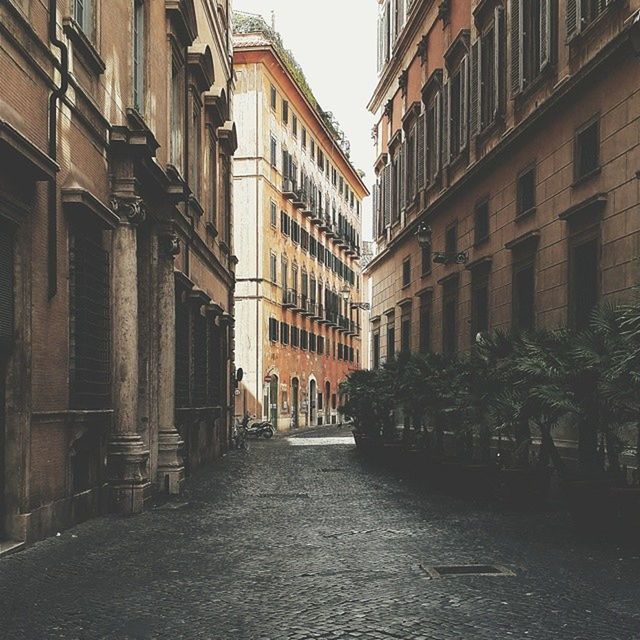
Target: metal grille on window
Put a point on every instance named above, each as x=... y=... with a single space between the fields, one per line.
x=89 y=320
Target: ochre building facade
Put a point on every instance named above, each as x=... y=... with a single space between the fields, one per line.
x=508 y=133
x=298 y=210
x=116 y=264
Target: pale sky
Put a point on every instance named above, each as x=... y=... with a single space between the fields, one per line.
x=334 y=41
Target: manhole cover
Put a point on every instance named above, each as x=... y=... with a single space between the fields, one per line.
x=452 y=570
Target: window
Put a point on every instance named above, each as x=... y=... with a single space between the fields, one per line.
x=196 y=143
x=405 y=330
x=274 y=335
x=83 y=14
x=320 y=345
x=138 y=54
x=451 y=241
x=531 y=31
x=295 y=232
x=295 y=337
x=274 y=98
x=274 y=152
x=285 y=112
x=304 y=138
x=523 y=295
x=425 y=255
x=284 y=274
x=313 y=149
x=391 y=337
x=285 y=223
x=410 y=169
x=450 y=316
x=406 y=272
x=586 y=157
x=273 y=214
x=313 y=342
x=481 y=222
x=304 y=239
x=433 y=138
x=304 y=340
x=581 y=13
x=177 y=113
x=479 y=301
x=294 y=126
x=584 y=271
x=487 y=73
x=457 y=118
x=273 y=269
x=89 y=320
x=199 y=352
x=213 y=179
x=6 y=287
x=375 y=358
x=284 y=333
x=425 y=322
x=526 y=192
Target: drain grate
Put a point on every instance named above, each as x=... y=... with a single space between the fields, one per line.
x=453 y=570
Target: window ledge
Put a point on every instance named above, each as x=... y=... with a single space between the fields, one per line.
x=542 y=78
x=480 y=241
x=195 y=206
x=83 y=46
x=586 y=177
x=525 y=214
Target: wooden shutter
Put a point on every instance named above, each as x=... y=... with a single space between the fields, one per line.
x=545 y=33
x=476 y=88
x=499 y=66
x=420 y=149
x=6 y=287
x=574 y=17
x=402 y=178
x=387 y=195
x=446 y=123
x=379 y=43
x=517 y=69
x=438 y=134
x=464 y=102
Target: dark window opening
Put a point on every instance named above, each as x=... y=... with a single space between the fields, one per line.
x=406 y=272
x=524 y=294
x=425 y=323
x=479 y=302
x=451 y=241
x=375 y=360
x=587 y=150
x=89 y=320
x=584 y=283
x=450 y=317
x=526 y=192
x=481 y=219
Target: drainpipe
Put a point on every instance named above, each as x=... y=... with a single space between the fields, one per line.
x=52 y=196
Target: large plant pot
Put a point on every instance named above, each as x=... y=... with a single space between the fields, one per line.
x=523 y=487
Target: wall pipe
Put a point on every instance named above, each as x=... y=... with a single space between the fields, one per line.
x=52 y=195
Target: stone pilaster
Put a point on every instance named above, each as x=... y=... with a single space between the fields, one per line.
x=170 y=462
x=127 y=455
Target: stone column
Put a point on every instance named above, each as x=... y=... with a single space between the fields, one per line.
x=170 y=462
x=127 y=454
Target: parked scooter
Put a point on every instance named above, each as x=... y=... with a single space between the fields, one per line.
x=259 y=429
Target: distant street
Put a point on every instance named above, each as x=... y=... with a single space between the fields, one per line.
x=298 y=542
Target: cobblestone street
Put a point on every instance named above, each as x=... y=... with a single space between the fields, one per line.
x=297 y=542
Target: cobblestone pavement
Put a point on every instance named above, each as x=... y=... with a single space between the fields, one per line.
x=299 y=542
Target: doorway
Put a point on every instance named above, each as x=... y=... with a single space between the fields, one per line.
x=273 y=400
x=312 y=402
x=295 y=392
x=327 y=402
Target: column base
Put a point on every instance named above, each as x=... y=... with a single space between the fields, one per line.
x=127 y=459
x=170 y=462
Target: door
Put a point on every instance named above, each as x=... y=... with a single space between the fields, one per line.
x=327 y=402
x=273 y=400
x=295 y=392
x=312 y=402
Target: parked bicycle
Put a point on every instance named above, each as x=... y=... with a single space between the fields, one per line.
x=239 y=436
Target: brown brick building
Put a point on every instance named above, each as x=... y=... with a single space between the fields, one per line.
x=298 y=210
x=510 y=131
x=116 y=264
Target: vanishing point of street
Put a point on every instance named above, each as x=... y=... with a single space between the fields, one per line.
x=294 y=541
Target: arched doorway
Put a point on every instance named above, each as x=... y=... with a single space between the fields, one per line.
x=295 y=393
x=312 y=402
x=327 y=402
x=273 y=400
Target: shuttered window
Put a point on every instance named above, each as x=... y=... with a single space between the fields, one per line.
x=89 y=320
x=531 y=41
x=200 y=365
x=420 y=151
x=581 y=13
x=6 y=287
x=523 y=295
x=375 y=358
x=584 y=270
x=273 y=330
x=479 y=301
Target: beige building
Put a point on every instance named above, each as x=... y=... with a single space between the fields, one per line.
x=298 y=210
x=508 y=132
x=116 y=263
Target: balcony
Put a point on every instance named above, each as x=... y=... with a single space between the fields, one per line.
x=288 y=188
x=289 y=298
x=331 y=318
x=321 y=317
x=315 y=310
x=317 y=214
x=325 y=224
x=300 y=199
x=307 y=306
